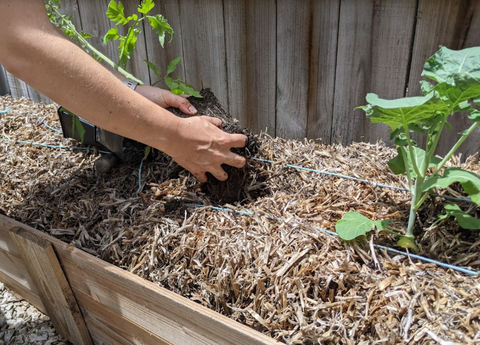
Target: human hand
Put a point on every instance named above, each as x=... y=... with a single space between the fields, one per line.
x=200 y=146
x=165 y=98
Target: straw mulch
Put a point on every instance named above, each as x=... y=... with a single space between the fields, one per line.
x=270 y=265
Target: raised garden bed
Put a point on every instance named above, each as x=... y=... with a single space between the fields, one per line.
x=249 y=272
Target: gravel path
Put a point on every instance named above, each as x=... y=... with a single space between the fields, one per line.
x=22 y=323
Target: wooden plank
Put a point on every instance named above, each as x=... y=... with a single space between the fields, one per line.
x=250 y=31
x=108 y=327
x=202 y=27
x=306 y=55
x=4 y=87
x=14 y=275
x=454 y=24
x=18 y=88
x=156 y=310
x=373 y=55
x=292 y=68
x=53 y=287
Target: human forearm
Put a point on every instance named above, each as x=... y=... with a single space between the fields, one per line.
x=34 y=50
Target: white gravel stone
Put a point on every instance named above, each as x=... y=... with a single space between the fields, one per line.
x=21 y=323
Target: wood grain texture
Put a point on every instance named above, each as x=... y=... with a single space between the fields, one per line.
x=134 y=304
x=202 y=28
x=454 y=24
x=373 y=55
x=4 y=87
x=57 y=297
x=292 y=68
x=14 y=275
x=161 y=57
x=250 y=31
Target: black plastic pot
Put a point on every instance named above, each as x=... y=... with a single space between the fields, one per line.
x=127 y=150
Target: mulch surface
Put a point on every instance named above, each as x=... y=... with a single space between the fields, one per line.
x=265 y=259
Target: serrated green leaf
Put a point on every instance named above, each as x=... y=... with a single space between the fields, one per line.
x=474 y=115
x=146 y=6
x=116 y=12
x=469 y=181
x=153 y=68
x=352 y=225
x=172 y=66
x=111 y=35
x=189 y=90
x=127 y=46
x=160 y=25
x=464 y=220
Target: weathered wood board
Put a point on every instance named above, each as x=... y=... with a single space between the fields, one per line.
x=120 y=307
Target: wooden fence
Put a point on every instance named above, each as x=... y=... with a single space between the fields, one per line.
x=296 y=68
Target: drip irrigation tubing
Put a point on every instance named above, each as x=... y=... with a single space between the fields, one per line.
x=358 y=179
x=392 y=250
x=415 y=256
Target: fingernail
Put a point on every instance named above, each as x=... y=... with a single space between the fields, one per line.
x=192 y=109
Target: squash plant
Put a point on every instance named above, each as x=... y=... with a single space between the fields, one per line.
x=453 y=89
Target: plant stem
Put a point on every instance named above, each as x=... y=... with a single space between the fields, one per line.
x=456 y=146
x=82 y=40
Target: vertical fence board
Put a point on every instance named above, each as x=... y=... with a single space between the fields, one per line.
x=292 y=72
x=204 y=46
x=4 y=87
x=373 y=53
x=454 y=24
x=323 y=23
x=171 y=50
x=250 y=29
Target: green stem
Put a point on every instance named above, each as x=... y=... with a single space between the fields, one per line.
x=82 y=40
x=456 y=146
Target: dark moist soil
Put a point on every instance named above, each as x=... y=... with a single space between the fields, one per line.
x=235 y=188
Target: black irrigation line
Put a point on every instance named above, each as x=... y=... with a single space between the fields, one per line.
x=392 y=250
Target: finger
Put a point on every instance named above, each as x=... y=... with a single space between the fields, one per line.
x=215 y=121
x=200 y=176
x=219 y=174
x=181 y=103
x=235 y=160
x=238 y=140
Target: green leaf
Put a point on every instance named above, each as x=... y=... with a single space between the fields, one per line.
x=448 y=65
x=161 y=26
x=353 y=224
x=469 y=181
x=111 y=35
x=153 y=68
x=464 y=220
x=177 y=92
x=189 y=90
x=172 y=66
x=148 y=149
x=171 y=83
x=146 y=6
x=403 y=111
x=127 y=45
x=116 y=12
x=408 y=242
x=398 y=166
x=474 y=115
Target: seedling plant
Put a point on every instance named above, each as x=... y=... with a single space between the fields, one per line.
x=453 y=90
x=127 y=43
